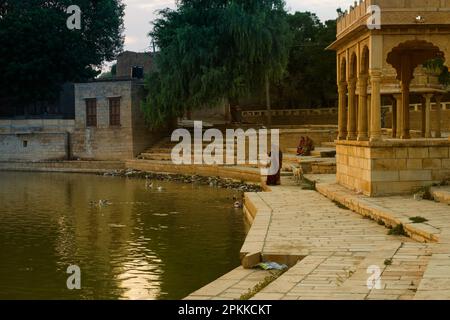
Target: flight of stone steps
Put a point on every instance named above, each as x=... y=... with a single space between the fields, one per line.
x=321 y=160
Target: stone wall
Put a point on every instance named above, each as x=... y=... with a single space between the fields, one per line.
x=33 y=146
x=127 y=60
x=393 y=166
x=63 y=166
x=36 y=125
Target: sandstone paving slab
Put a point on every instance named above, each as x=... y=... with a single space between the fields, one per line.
x=231 y=286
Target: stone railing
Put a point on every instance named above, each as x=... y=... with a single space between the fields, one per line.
x=291 y=112
x=351 y=16
x=416 y=107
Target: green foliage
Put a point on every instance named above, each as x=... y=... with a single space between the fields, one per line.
x=438 y=64
x=418 y=219
x=109 y=74
x=311 y=73
x=214 y=50
x=398 y=230
x=38 y=52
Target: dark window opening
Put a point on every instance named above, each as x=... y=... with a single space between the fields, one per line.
x=91 y=112
x=114 y=111
x=137 y=72
x=25 y=143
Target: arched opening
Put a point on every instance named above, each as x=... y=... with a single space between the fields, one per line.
x=405 y=58
x=353 y=67
x=342 y=72
x=365 y=60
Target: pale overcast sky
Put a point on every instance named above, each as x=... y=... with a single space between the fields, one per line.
x=139 y=14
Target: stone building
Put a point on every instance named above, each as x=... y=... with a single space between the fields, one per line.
x=107 y=124
x=128 y=61
x=385 y=62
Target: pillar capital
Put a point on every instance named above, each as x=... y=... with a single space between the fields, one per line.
x=375 y=74
x=342 y=87
x=427 y=96
x=352 y=84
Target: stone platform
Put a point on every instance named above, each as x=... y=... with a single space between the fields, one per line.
x=333 y=250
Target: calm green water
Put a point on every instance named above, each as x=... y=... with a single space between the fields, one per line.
x=147 y=244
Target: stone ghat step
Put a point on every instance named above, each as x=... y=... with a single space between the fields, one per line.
x=345 y=277
x=168 y=157
x=441 y=194
x=231 y=286
x=240 y=173
x=320 y=152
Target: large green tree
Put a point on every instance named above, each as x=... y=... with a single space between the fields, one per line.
x=38 y=52
x=311 y=74
x=210 y=50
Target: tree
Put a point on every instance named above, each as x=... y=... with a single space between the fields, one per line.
x=38 y=53
x=311 y=73
x=212 y=50
x=109 y=74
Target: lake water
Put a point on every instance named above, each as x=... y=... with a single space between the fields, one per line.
x=144 y=244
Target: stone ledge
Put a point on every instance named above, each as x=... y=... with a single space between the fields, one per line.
x=396 y=143
x=361 y=204
x=62 y=166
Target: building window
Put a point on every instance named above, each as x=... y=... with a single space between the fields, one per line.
x=114 y=111
x=91 y=112
x=137 y=72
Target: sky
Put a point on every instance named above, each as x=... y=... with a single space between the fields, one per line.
x=140 y=13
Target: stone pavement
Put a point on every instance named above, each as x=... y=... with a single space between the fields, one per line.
x=231 y=286
x=339 y=251
x=435 y=281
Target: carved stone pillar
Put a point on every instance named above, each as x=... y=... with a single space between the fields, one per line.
x=351 y=122
x=342 y=111
x=362 y=106
x=375 y=108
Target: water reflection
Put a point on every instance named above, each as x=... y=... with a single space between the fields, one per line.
x=143 y=244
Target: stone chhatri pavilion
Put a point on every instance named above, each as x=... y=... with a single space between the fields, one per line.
x=386 y=64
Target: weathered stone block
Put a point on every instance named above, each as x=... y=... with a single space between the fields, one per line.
x=418 y=153
x=439 y=152
x=440 y=175
x=432 y=163
x=414 y=164
x=401 y=153
x=382 y=153
x=415 y=175
x=389 y=164
x=385 y=176
x=446 y=163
